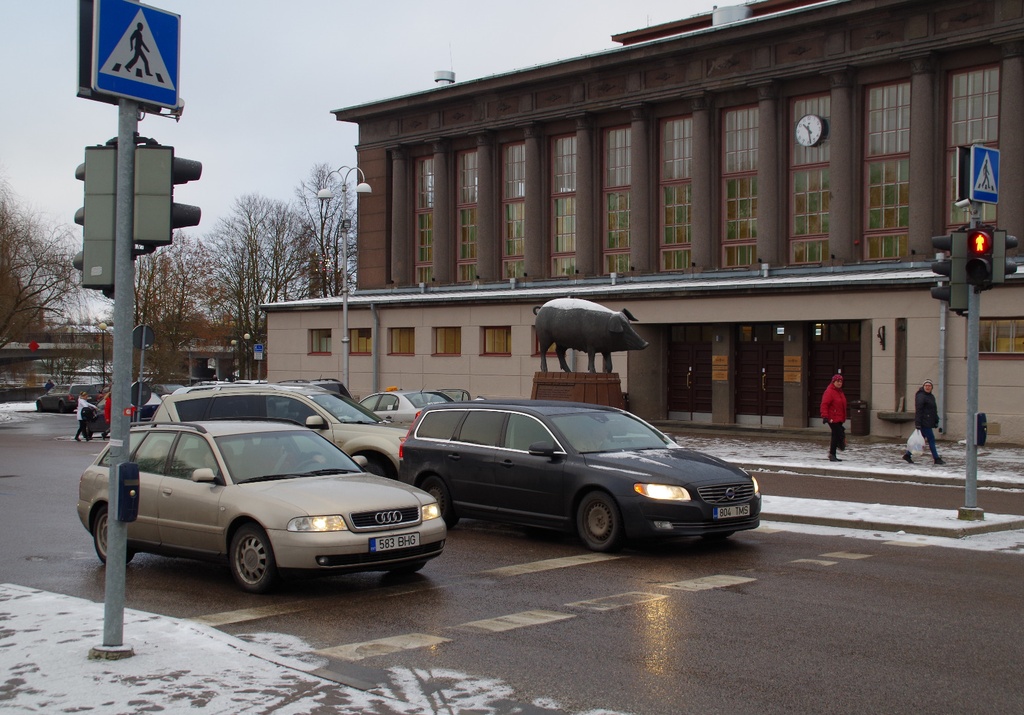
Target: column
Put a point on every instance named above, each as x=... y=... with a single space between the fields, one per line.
x=843 y=224
x=444 y=236
x=401 y=216
x=770 y=240
x=1011 y=140
x=640 y=209
x=488 y=246
x=926 y=158
x=704 y=248
x=588 y=245
x=536 y=244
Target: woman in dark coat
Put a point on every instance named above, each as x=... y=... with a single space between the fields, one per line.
x=926 y=419
x=833 y=413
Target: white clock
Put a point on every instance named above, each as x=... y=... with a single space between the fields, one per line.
x=810 y=130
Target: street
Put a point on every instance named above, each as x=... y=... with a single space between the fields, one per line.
x=771 y=621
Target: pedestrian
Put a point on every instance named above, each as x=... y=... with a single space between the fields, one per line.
x=106 y=414
x=48 y=386
x=85 y=413
x=926 y=419
x=833 y=414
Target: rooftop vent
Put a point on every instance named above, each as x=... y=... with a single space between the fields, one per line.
x=444 y=77
x=725 y=15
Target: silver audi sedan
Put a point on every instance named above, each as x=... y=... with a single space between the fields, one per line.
x=269 y=499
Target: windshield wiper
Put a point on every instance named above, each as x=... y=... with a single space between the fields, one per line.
x=322 y=472
x=268 y=478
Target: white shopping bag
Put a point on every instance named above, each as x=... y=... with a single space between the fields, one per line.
x=916 y=443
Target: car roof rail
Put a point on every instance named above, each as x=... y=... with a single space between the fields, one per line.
x=150 y=425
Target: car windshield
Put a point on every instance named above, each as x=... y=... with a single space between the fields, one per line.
x=279 y=455
x=608 y=432
x=422 y=399
x=344 y=409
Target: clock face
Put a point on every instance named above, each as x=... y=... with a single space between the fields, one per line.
x=810 y=130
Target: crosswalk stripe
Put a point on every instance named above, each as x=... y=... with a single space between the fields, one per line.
x=610 y=603
x=846 y=555
x=707 y=582
x=819 y=562
x=549 y=564
x=517 y=620
x=252 y=614
x=381 y=646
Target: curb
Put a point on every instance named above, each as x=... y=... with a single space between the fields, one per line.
x=972 y=528
x=851 y=473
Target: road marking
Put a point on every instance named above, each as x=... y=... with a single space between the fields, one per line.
x=549 y=564
x=252 y=614
x=610 y=603
x=846 y=555
x=517 y=620
x=905 y=543
x=707 y=582
x=819 y=562
x=381 y=646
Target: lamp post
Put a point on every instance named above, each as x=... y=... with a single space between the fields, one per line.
x=244 y=373
x=103 y=353
x=324 y=196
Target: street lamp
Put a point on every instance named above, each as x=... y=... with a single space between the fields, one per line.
x=103 y=353
x=325 y=195
x=243 y=368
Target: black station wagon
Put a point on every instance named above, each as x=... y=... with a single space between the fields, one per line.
x=597 y=471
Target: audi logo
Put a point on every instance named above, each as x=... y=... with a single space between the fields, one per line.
x=388 y=517
x=730 y=493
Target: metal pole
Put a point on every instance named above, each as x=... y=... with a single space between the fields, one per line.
x=970 y=511
x=344 y=288
x=121 y=371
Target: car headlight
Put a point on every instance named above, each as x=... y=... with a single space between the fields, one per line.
x=662 y=491
x=431 y=511
x=757 y=487
x=317 y=523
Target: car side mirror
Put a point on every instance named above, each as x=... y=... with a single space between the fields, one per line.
x=315 y=422
x=543 y=449
x=203 y=474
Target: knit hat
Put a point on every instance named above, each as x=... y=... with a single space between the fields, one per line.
x=927 y=382
x=837 y=376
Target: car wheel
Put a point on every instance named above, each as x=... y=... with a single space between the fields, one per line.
x=435 y=487
x=39 y=406
x=61 y=407
x=99 y=536
x=599 y=522
x=252 y=560
x=381 y=466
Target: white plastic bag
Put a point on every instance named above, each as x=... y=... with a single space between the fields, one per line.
x=916 y=443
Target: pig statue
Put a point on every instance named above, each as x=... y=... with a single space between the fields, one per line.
x=582 y=325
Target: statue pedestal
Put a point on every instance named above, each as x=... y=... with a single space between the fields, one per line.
x=597 y=388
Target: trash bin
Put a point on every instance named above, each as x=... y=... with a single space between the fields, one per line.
x=860 y=418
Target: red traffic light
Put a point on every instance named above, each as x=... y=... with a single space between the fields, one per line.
x=979 y=242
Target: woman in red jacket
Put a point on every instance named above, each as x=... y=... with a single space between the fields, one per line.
x=833 y=413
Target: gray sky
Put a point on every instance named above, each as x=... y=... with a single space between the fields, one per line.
x=259 y=78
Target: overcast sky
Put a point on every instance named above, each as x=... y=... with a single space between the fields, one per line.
x=260 y=77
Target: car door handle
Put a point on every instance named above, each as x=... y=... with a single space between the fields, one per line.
x=166 y=491
x=507 y=463
x=454 y=456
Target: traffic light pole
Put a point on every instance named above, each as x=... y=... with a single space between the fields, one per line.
x=970 y=510
x=124 y=309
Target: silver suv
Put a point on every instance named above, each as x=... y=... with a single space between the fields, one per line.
x=352 y=427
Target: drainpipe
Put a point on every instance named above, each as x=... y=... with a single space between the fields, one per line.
x=374 y=348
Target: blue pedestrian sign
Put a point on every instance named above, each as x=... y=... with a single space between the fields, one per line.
x=984 y=175
x=257 y=351
x=135 y=52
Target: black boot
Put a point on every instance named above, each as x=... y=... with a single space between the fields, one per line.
x=908 y=458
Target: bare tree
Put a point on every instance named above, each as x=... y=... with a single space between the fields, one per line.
x=257 y=256
x=329 y=229
x=35 y=269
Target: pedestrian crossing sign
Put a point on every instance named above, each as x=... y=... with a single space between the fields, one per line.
x=984 y=186
x=135 y=52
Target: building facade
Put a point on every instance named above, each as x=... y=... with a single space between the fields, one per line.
x=758 y=185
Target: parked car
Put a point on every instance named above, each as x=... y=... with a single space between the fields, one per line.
x=158 y=391
x=401 y=406
x=328 y=383
x=346 y=423
x=64 y=398
x=598 y=471
x=456 y=393
x=270 y=499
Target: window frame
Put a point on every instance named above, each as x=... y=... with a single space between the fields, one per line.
x=513 y=210
x=490 y=339
x=423 y=220
x=316 y=337
x=468 y=216
x=564 y=164
x=404 y=338
x=616 y=195
x=447 y=341
x=740 y=157
x=807 y=245
x=675 y=176
x=886 y=124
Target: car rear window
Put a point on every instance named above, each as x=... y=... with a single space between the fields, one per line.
x=439 y=424
x=238 y=407
x=192 y=410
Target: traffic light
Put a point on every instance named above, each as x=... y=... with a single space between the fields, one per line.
x=157 y=170
x=955 y=291
x=979 y=256
x=1001 y=265
x=98 y=217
